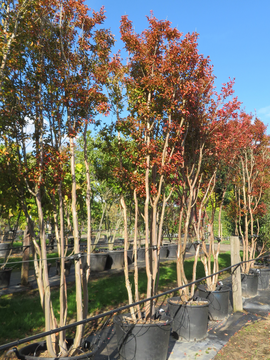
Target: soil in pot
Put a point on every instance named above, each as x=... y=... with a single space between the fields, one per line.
x=149 y=341
x=68 y=264
x=218 y=301
x=5 y=277
x=249 y=284
x=190 y=320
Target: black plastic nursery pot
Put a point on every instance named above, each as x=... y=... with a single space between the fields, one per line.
x=141 y=254
x=5 y=277
x=34 y=351
x=249 y=284
x=4 y=249
x=130 y=256
x=98 y=261
x=163 y=254
x=190 y=320
x=143 y=341
x=218 y=301
x=68 y=264
x=172 y=251
x=263 y=278
x=190 y=247
x=115 y=259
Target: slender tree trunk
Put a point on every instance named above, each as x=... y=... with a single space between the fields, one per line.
x=220 y=213
x=78 y=283
x=25 y=257
x=86 y=271
x=128 y=285
x=56 y=228
x=67 y=216
x=135 y=246
x=197 y=253
x=159 y=241
x=63 y=282
x=147 y=249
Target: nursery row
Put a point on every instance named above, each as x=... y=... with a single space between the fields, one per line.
x=100 y=260
x=115 y=334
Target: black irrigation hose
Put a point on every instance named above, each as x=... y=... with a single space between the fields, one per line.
x=111 y=312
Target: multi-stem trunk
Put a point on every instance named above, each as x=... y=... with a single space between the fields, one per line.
x=42 y=269
x=245 y=266
x=50 y=321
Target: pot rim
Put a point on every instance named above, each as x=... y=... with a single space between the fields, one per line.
x=250 y=275
x=224 y=288
x=6 y=269
x=205 y=301
x=99 y=253
x=265 y=269
x=117 y=319
x=115 y=251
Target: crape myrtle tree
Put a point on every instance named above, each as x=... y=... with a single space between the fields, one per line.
x=165 y=76
x=64 y=65
x=189 y=175
x=213 y=188
x=206 y=116
x=82 y=65
x=212 y=198
x=251 y=180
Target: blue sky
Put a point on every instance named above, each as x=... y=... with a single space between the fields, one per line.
x=234 y=34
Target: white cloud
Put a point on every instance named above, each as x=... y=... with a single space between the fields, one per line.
x=265 y=112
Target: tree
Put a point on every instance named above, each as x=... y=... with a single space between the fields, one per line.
x=250 y=183
x=164 y=74
x=59 y=89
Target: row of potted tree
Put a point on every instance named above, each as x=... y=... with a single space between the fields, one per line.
x=176 y=141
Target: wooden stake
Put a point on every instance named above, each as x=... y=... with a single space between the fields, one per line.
x=236 y=275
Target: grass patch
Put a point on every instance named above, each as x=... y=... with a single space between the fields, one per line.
x=21 y=314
